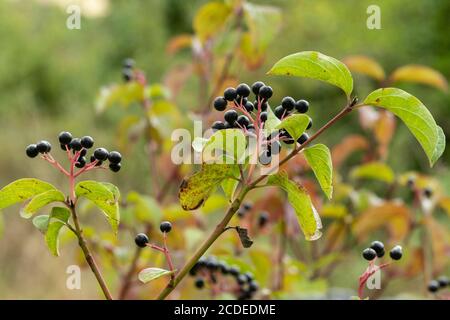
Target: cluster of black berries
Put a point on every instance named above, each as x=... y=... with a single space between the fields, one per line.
x=142 y=240
x=263 y=217
x=438 y=284
x=78 y=146
x=127 y=70
x=376 y=249
x=210 y=266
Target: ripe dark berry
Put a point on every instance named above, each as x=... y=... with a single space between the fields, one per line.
x=65 y=137
x=249 y=276
x=279 y=112
x=263 y=219
x=218 y=125
x=63 y=147
x=303 y=138
x=265 y=157
x=101 y=154
x=249 y=106
x=410 y=182
x=263 y=116
x=286 y=137
x=433 y=286
x=369 y=254
x=99 y=163
x=75 y=144
x=275 y=147
x=43 y=146
x=247 y=206
x=115 y=157
x=115 y=167
x=309 y=124
x=220 y=103
x=264 y=106
x=165 y=226
x=443 y=281
x=265 y=92
x=141 y=240
x=241 y=213
x=378 y=246
x=230 y=94
x=201 y=262
x=127 y=74
x=253 y=286
x=241 y=101
x=234 y=271
x=224 y=269
x=243 y=121
x=243 y=90
x=241 y=279
x=32 y=151
x=128 y=63
x=83 y=152
x=302 y=106
x=212 y=264
x=87 y=142
x=396 y=253
x=428 y=193
x=230 y=116
x=199 y=283
x=81 y=162
x=288 y=103
x=256 y=86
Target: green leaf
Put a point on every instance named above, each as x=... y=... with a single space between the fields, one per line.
x=315 y=65
x=319 y=159
x=145 y=208
x=41 y=222
x=197 y=188
x=41 y=200
x=271 y=123
x=21 y=190
x=121 y=94
x=104 y=197
x=295 y=125
x=150 y=274
x=373 y=170
x=229 y=185
x=210 y=19
x=58 y=218
x=225 y=144
x=415 y=116
x=299 y=199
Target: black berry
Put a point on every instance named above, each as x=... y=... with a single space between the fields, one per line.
x=220 y=103
x=396 y=253
x=234 y=271
x=64 y=146
x=218 y=125
x=127 y=74
x=115 y=167
x=288 y=103
x=256 y=86
x=427 y=192
x=279 y=112
x=243 y=121
x=212 y=264
x=141 y=240
x=43 y=146
x=275 y=147
x=115 y=157
x=309 y=124
x=65 y=137
x=263 y=219
x=369 y=254
x=249 y=276
x=230 y=116
x=433 y=286
x=264 y=106
x=443 y=281
x=247 y=206
x=128 y=63
x=249 y=106
x=99 y=163
x=263 y=116
x=81 y=162
x=101 y=154
x=87 y=142
x=32 y=151
x=243 y=90
x=199 y=283
x=253 y=286
x=286 y=137
x=265 y=157
x=265 y=92
x=378 y=246
x=165 y=226
x=241 y=279
x=75 y=144
x=230 y=94
x=302 y=106
x=303 y=138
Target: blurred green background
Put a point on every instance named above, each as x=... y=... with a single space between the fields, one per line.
x=50 y=77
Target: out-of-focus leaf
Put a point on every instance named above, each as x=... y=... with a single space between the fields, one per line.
x=440 y=241
x=444 y=203
x=419 y=74
x=121 y=94
x=150 y=274
x=295 y=125
x=145 y=208
x=229 y=185
x=365 y=65
x=126 y=130
x=337 y=211
x=349 y=144
x=395 y=217
x=249 y=53
x=179 y=42
x=214 y=203
x=373 y=170
x=335 y=236
x=197 y=188
x=307 y=216
x=40 y=201
x=210 y=19
x=175 y=79
x=243 y=236
x=319 y=159
x=384 y=129
x=416 y=117
x=315 y=65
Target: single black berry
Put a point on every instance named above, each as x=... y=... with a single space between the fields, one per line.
x=253 y=286
x=81 y=162
x=279 y=112
x=243 y=90
x=199 y=283
x=224 y=269
x=115 y=167
x=378 y=246
x=99 y=163
x=115 y=157
x=201 y=262
x=265 y=157
x=87 y=142
x=230 y=94
x=369 y=254
x=75 y=144
x=288 y=103
x=427 y=192
x=241 y=213
x=230 y=116
x=249 y=276
x=234 y=271
x=65 y=137
x=264 y=106
x=64 y=146
x=101 y=154
x=433 y=286
x=241 y=101
x=212 y=264
x=249 y=106
x=410 y=182
x=218 y=125
x=396 y=253
x=141 y=240
x=127 y=74
x=286 y=137
x=263 y=219
x=243 y=121
x=256 y=86
x=302 y=106
x=32 y=151
x=83 y=152
x=43 y=146
x=303 y=138
x=443 y=281
x=165 y=226
x=128 y=63
x=309 y=124
x=241 y=279
x=263 y=116
x=265 y=92
x=220 y=103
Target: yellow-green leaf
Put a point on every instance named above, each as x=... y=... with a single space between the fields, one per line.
x=228 y=146
x=121 y=94
x=307 y=216
x=365 y=65
x=145 y=208
x=41 y=200
x=295 y=125
x=150 y=274
x=58 y=218
x=373 y=170
x=210 y=19
x=41 y=222
x=315 y=65
x=319 y=159
x=419 y=74
x=195 y=189
x=415 y=116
